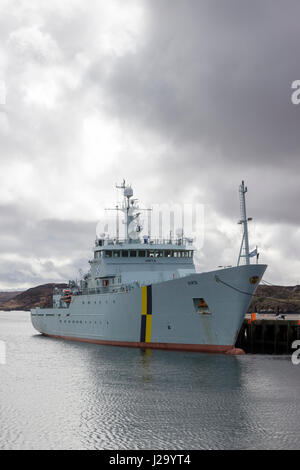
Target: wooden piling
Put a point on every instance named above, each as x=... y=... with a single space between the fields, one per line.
x=268 y=334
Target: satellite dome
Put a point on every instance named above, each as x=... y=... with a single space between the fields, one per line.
x=128 y=191
x=179 y=232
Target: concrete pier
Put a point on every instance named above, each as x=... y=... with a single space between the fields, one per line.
x=269 y=334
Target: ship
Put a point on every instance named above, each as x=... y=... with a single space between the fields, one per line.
x=146 y=292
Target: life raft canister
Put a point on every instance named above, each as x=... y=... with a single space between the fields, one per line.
x=67 y=296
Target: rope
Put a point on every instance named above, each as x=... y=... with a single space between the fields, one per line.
x=232 y=287
x=254 y=295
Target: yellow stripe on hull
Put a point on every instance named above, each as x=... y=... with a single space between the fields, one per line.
x=148 y=328
x=146 y=325
x=144 y=300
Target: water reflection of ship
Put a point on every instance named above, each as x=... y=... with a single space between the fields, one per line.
x=146 y=356
x=161 y=399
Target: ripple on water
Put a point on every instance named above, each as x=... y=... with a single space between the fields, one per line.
x=56 y=394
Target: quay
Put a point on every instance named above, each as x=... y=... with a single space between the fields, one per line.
x=269 y=334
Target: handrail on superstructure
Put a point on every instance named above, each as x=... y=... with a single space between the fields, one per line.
x=146 y=242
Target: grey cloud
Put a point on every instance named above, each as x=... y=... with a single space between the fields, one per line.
x=209 y=85
x=214 y=81
x=20 y=228
x=216 y=73
x=48 y=250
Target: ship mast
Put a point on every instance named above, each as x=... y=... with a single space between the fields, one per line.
x=244 y=250
x=132 y=213
x=128 y=209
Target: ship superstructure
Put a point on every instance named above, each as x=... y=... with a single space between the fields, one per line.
x=145 y=292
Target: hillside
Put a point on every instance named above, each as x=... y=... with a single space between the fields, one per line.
x=40 y=296
x=5 y=296
x=277 y=299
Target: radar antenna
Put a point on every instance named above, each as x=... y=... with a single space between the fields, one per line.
x=132 y=213
x=244 y=250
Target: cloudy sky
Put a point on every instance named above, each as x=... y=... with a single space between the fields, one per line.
x=183 y=98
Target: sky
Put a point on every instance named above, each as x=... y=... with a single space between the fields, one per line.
x=183 y=99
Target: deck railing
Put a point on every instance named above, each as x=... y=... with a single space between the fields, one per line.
x=98 y=290
x=145 y=242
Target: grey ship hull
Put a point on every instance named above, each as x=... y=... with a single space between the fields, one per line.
x=162 y=316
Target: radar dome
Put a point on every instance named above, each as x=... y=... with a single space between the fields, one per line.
x=128 y=191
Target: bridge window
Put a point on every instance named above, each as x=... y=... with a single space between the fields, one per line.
x=132 y=253
x=142 y=253
x=169 y=254
x=124 y=253
x=116 y=254
x=108 y=254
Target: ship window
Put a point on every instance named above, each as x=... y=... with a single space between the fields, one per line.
x=150 y=254
x=132 y=253
x=176 y=254
x=159 y=254
x=142 y=253
x=108 y=254
x=169 y=254
x=124 y=253
x=116 y=254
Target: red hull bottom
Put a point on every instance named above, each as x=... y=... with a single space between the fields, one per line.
x=205 y=348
